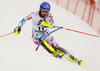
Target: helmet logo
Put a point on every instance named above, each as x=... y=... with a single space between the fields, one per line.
x=46 y=6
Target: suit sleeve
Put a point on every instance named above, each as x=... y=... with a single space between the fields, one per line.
x=22 y=22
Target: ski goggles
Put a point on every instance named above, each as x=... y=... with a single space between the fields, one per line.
x=44 y=11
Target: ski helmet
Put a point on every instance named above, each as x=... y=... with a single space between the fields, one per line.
x=45 y=6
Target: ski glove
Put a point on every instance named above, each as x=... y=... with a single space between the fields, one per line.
x=17 y=30
x=46 y=24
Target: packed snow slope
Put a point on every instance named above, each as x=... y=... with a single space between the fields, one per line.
x=17 y=53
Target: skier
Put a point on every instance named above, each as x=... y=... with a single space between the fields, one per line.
x=39 y=31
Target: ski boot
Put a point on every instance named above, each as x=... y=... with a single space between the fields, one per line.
x=58 y=55
x=78 y=61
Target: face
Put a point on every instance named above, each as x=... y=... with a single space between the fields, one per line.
x=44 y=13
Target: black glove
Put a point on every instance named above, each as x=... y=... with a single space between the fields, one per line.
x=17 y=30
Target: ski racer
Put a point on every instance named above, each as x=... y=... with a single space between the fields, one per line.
x=38 y=32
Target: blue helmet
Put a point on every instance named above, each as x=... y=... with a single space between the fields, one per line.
x=45 y=6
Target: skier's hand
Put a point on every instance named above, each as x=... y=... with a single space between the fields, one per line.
x=17 y=30
x=46 y=24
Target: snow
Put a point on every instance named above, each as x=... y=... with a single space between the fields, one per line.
x=17 y=53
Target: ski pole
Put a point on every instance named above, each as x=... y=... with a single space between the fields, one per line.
x=46 y=36
x=78 y=32
x=6 y=34
x=47 y=24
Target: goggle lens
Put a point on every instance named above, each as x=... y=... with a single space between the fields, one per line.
x=44 y=11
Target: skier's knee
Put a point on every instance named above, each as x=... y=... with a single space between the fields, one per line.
x=61 y=50
x=46 y=46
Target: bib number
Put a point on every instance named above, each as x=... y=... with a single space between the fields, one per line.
x=41 y=28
